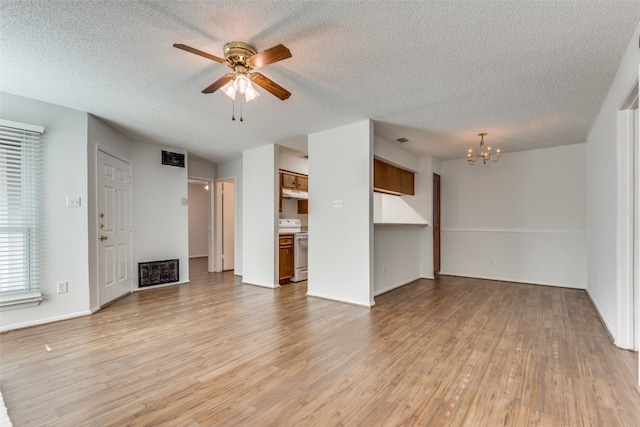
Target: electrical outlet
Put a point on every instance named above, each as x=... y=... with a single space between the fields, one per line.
x=384 y=268
x=492 y=260
x=63 y=287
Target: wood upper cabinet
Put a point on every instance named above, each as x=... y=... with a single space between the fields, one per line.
x=294 y=181
x=286 y=267
x=289 y=181
x=390 y=178
x=302 y=183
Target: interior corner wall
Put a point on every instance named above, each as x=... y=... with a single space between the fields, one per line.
x=602 y=202
x=340 y=252
x=160 y=211
x=526 y=213
x=64 y=174
x=104 y=137
x=233 y=170
x=259 y=215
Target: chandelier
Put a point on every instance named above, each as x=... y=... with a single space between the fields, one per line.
x=486 y=156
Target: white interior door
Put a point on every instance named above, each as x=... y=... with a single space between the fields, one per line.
x=114 y=227
x=228 y=224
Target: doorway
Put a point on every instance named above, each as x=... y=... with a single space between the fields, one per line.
x=199 y=207
x=225 y=225
x=114 y=227
x=436 y=225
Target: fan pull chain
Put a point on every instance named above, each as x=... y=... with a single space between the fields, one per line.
x=233 y=113
x=241 y=118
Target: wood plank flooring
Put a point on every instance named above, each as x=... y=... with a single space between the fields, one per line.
x=452 y=351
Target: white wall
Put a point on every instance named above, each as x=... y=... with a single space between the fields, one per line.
x=259 y=216
x=65 y=249
x=393 y=153
x=341 y=240
x=527 y=211
x=100 y=136
x=160 y=218
x=292 y=163
x=199 y=205
x=233 y=170
x=602 y=203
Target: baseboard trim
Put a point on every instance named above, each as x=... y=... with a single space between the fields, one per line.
x=503 y=279
x=394 y=286
x=39 y=322
x=604 y=324
x=164 y=285
x=328 y=298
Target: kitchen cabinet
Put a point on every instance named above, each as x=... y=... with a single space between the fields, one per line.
x=303 y=206
x=294 y=181
x=302 y=183
x=288 y=181
x=286 y=267
x=388 y=178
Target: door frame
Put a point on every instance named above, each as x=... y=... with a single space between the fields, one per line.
x=95 y=232
x=437 y=243
x=218 y=236
x=628 y=288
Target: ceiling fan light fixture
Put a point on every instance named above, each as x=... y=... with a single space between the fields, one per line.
x=250 y=93
x=229 y=89
x=241 y=84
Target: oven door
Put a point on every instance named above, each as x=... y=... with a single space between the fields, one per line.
x=300 y=247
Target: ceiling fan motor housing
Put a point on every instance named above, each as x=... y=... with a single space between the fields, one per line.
x=238 y=53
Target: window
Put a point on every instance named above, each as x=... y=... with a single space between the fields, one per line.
x=20 y=229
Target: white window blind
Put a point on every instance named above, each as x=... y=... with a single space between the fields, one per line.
x=20 y=228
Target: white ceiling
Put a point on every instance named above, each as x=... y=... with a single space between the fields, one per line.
x=530 y=74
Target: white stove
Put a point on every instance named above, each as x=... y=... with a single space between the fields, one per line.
x=300 y=246
x=289 y=226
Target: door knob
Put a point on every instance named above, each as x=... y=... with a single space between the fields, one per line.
x=103 y=237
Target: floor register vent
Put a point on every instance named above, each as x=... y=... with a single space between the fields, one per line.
x=158 y=272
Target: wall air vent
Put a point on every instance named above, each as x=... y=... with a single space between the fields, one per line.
x=158 y=272
x=402 y=140
x=172 y=159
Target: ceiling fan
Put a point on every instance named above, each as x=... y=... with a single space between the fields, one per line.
x=243 y=58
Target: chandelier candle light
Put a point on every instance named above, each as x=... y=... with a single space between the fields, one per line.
x=484 y=155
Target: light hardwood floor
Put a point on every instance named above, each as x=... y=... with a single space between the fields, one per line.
x=454 y=352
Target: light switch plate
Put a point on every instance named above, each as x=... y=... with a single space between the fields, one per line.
x=337 y=204
x=73 y=202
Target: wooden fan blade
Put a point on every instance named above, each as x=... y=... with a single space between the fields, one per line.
x=218 y=83
x=269 y=56
x=270 y=86
x=199 y=52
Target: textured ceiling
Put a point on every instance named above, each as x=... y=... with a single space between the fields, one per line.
x=530 y=74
